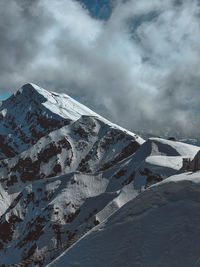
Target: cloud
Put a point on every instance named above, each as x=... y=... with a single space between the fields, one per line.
x=21 y=26
x=140 y=68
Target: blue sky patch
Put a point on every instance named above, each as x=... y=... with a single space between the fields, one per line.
x=4 y=96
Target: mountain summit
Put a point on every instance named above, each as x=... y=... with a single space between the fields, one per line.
x=33 y=112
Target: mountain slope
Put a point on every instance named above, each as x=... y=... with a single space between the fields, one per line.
x=86 y=145
x=158 y=228
x=71 y=204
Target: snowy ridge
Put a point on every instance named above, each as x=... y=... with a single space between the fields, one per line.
x=158 y=228
x=60 y=104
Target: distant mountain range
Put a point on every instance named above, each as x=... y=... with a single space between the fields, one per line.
x=169 y=134
x=78 y=190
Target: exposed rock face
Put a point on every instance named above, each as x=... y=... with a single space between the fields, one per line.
x=192 y=164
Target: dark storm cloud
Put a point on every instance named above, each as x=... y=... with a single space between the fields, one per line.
x=140 y=68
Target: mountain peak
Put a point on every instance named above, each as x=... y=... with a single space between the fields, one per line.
x=30 y=86
x=58 y=103
x=32 y=91
x=31 y=113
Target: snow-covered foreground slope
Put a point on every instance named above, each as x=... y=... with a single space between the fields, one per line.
x=160 y=227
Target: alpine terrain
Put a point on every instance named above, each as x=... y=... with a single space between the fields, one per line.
x=78 y=190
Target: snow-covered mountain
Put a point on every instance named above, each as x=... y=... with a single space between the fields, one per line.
x=192 y=139
x=32 y=113
x=61 y=165
x=71 y=170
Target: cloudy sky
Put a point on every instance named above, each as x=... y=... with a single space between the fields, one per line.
x=137 y=62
